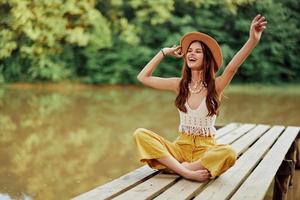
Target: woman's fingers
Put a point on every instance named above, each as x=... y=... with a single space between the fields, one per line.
x=263 y=23
x=259 y=23
x=177 y=51
x=262 y=19
x=178 y=55
x=256 y=18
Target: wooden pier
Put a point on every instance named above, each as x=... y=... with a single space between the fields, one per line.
x=266 y=153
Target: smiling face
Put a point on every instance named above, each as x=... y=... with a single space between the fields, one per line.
x=194 y=56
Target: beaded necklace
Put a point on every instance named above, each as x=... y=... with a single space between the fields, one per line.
x=197 y=86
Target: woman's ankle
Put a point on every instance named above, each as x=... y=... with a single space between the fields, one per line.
x=187 y=174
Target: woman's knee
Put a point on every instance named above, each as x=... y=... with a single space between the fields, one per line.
x=230 y=154
x=139 y=133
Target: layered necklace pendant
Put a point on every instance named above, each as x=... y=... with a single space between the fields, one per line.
x=195 y=87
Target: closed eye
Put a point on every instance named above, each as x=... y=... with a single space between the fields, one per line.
x=197 y=50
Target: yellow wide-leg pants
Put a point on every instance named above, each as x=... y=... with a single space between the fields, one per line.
x=216 y=158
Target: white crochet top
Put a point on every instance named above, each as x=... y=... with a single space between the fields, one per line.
x=196 y=121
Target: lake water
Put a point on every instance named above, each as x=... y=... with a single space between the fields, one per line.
x=58 y=141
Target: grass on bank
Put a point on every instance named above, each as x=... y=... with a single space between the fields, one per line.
x=287 y=88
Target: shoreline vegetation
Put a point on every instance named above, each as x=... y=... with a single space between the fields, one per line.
x=233 y=88
x=108 y=42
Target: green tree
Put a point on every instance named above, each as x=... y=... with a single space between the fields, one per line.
x=275 y=57
x=110 y=41
x=37 y=37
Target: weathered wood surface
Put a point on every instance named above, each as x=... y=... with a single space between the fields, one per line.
x=117 y=186
x=253 y=143
x=257 y=184
x=225 y=185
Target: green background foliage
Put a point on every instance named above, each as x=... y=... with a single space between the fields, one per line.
x=109 y=41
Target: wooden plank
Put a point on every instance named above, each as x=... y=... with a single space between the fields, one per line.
x=226 y=129
x=234 y=135
x=189 y=189
x=183 y=189
x=225 y=185
x=119 y=185
x=246 y=140
x=149 y=188
x=257 y=184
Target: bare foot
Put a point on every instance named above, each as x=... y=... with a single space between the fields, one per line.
x=199 y=175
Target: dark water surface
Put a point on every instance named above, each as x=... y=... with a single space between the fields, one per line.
x=57 y=141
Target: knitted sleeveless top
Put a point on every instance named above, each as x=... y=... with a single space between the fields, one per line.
x=196 y=121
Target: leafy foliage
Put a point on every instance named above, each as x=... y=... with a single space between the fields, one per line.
x=100 y=41
x=36 y=32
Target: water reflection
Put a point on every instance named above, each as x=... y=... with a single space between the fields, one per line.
x=59 y=141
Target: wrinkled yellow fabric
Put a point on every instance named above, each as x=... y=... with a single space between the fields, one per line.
x=217 y=158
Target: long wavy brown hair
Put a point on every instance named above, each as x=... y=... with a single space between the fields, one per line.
x=209 y=70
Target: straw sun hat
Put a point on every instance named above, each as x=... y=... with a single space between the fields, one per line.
x=208 y=40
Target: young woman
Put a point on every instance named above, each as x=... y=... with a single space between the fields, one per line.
x=194 y=154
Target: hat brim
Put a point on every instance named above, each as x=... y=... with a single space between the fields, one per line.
x=212 y=44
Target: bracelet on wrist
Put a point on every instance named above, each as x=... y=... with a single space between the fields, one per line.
x=163 y=53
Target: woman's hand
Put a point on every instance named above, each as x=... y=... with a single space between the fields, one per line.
x=258 y=25
x=173 y=51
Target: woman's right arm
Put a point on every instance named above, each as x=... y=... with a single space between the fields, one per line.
x=145 y=76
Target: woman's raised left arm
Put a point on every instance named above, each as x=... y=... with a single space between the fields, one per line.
x=258 y=25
